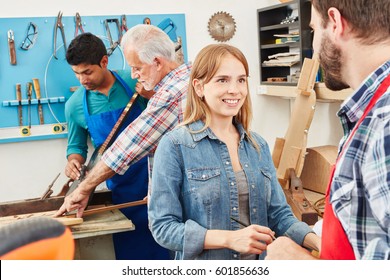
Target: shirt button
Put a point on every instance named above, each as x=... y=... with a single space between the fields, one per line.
x=227 y=163
x=253 y=186
x=235 y=256
x=246 y=165
x=232 y=183
x=234 y=208
x=254 y=210
x=203 y=176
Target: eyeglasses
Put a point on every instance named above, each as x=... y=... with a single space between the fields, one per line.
x=31 y=37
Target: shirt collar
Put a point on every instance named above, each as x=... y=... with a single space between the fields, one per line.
x=198 y=125
x=175 y=73
x=353 y=107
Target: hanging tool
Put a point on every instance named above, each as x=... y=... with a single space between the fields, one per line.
x=113 y=44
x=37 y=90
x=49 y=190
x=169 y=27
x=147 y=21
x=31 y=37
x=11 y=47
x=60 y=26
x=124 y=27
x=29 y=96
x=19 y=98
x=79 y=25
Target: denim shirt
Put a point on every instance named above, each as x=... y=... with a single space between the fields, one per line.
x=194 y=189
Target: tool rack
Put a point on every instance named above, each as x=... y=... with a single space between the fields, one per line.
x=55 y=75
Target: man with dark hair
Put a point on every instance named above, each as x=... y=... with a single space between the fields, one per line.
x=352 y=39
x=93 y=110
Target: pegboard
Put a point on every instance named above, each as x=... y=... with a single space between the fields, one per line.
x=55 y=76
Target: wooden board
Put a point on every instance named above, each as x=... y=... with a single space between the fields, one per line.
x=317 y=167
x=64 y=220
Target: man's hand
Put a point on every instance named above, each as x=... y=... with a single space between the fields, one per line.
x=143 y=92
x=283 y=248
x=74 y=166
x=78 y=199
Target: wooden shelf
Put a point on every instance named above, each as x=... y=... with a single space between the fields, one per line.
x=323 y=93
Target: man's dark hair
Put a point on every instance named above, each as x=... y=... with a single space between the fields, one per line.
x=86 y=48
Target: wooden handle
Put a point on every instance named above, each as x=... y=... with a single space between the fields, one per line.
x=29 y=91
x=19 y=92
x=37 y=88
x=12 y=52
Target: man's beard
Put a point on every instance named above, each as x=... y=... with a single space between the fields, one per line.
x=330 y=59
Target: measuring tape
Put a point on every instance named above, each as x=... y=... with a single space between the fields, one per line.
x=58 y=128
x=25 y=131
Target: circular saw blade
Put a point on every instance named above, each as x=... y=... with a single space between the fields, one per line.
x=221 y=26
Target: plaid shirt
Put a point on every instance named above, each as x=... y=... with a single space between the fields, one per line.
x=163 y=113
x=360 y=191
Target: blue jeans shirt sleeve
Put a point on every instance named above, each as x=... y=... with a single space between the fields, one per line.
x=165 y=211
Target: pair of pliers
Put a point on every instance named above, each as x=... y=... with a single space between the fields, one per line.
x=79 y=24
x=60 y=26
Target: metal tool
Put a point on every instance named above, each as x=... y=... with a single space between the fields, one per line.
x=31 y=37
x=49 y=190
x=79 y=24
x=124 y=27
x=113 y=44
x=11 y=47
x=19 y=98
x=60 y=26
x=29 y=96
x=37 y=90
x=169 y=27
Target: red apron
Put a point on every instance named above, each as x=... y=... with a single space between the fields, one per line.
x=334 y=243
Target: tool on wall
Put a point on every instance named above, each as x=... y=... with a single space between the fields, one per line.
x=60 y=26
x=37 y=90
x=11 y=47
x=29 y=96
x=124 y=27
x=31 y=37
x=19 y=98
x=79 y=24
x=113 y=44
x=169 y=27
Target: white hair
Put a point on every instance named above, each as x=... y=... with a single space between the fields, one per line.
x=149 y=42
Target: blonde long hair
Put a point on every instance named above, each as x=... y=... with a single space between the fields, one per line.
x=204 y=68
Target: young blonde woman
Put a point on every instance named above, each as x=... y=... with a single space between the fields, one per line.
x=212 y=171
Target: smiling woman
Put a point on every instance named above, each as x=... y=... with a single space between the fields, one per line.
x=213 y=168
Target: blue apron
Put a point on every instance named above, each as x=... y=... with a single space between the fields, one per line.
x=133 y=185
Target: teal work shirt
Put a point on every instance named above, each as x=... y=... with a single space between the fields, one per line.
x=97 y=103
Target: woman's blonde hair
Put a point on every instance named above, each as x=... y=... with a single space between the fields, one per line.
x=204 y=68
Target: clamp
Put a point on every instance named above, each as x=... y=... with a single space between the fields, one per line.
x=113 y=44
x=79 y=24
x=60 y=26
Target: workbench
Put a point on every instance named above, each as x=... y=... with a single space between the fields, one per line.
x=93 y=237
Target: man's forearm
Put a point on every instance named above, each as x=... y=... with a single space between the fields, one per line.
x=99 y=173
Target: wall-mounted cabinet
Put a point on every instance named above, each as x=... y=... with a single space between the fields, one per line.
x=285 y=39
